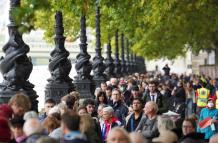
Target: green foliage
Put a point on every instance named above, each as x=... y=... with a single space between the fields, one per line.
x=155 y=28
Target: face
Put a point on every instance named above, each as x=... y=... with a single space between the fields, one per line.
x=135 y=93
x=17 y=110
x=17 y=131
x=210 y=105
x=136 y=105
x=113 y=81
x=212 y=82
x=100 y=112
x=101 y=98
x=103 y=87
x=117 y=137
x=48 y=106
x=106 y=115
x=116 y=96
x=108 y=93
x=147 y=109
x=130 y=110
x=90 y=108
x=152 y=88
x=82 y=112
x=144 y=85
x=187 y=128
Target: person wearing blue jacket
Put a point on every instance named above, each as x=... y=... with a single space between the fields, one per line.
x=209 y=111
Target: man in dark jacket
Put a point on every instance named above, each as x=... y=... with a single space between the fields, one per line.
x=120 y=110
x=134 y=118
x=49 y=103
x=70 y=129
x=177 y=101
x=154 y=95
x=166 y=70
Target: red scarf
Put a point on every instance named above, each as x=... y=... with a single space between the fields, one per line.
x=108 y=125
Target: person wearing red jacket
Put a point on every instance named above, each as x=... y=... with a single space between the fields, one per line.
x=109 y=121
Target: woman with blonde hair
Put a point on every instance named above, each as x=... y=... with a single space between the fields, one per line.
x=118 y=135
x=165 y=125
x=20 y=103
x=88 y=127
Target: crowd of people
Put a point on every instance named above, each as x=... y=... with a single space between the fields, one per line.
x=139 y=108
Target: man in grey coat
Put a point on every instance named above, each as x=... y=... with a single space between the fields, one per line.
x=148 y=124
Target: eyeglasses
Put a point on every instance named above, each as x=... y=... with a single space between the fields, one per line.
x=186 y=126
x=136 y=103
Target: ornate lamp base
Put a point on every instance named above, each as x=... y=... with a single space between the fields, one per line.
x=57 y=90
x=83 y=87
x=97 y=81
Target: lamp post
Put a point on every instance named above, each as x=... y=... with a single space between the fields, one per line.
x=83 y=66
x=60 y=83
x=127 y=57
x=15 y=66
x=117 y=68
x=109 y=71
x=123 y=62
x=131 y=64
x=98 y=66
x=134 y=63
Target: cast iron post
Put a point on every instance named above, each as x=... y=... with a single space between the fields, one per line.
x=60 y=83
x=117 y=68
x=83 y=66
x=131 y=64
x=127 y=57
x=123 y=63
x=98 y=66
x=134 y=63
x=15 y=66
x=109 y=71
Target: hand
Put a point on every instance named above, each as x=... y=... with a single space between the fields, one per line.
x=214 y=121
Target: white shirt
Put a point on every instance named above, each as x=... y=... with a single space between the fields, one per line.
x=155 y=96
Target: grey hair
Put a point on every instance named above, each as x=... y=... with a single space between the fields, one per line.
x=154 y=106
x=165 y=123
x=29 y=115
x=32 y=126
x=108 y=109
x=97 y=90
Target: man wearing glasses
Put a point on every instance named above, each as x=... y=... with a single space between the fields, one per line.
x=120 y=110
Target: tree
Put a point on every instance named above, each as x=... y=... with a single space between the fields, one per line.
x=155 y=28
